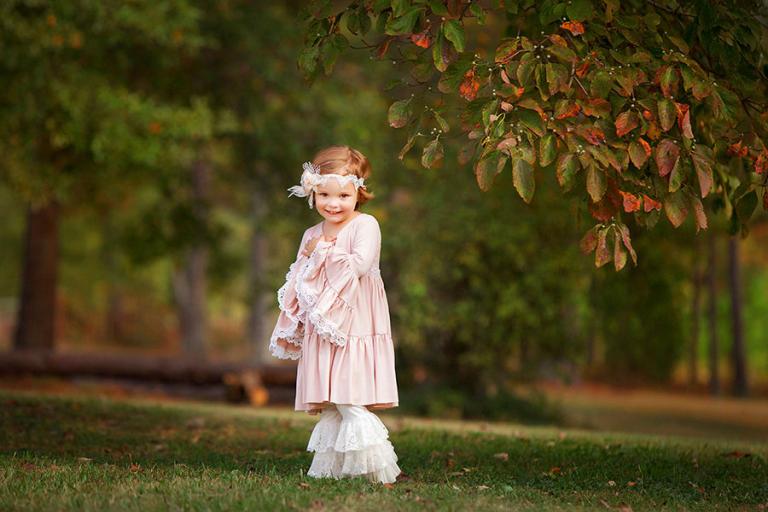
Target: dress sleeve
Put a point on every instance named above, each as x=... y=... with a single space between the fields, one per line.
x=288 y=334
x=333 y=311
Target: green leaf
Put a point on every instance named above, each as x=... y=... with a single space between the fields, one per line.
x=547 y=149
x=601 y=84
x=432 y=156
x=567 y=167
x=308 y=60
x=531 y=120
x=454 y=32
x=745 y=206
x=522 y=178
x=557 y=78
x=438 y=7
x=407 y=147
x=525 y=70
x=439 y=56
x=400 y=113
x=404 y=24
x=596 y=183
x=441 y=122
x=580 y=10
x=676 y=176
x=667 y=114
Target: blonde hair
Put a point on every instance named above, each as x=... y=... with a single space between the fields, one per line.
x=345 y=160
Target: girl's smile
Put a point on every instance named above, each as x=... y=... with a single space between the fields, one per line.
x=336 y=203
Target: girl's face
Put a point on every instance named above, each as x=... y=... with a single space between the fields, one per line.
x=334 y=202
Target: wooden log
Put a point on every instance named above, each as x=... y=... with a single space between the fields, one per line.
x=244 y=382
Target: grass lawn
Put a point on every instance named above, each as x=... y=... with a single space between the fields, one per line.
x=86 y=453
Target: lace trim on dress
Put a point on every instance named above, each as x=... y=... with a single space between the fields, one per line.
x=293 y=335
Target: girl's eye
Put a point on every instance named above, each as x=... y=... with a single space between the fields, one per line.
x=344 y=195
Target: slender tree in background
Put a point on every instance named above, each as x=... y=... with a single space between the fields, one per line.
x=714 y=346
x=637 y=107
x=738 y=352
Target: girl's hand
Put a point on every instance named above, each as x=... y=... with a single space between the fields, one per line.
x=310 y=246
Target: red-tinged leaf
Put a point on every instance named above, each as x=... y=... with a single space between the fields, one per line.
x=684 y=119
x=421 y=39
x=619 y=254
x=698 y=210
x=631 y=201
x=567 y=109
x=567 y=167
x=596 y=183
x=591 y=134
x=488 y=168
x=506 y=50
x=522 y=178
x=602 y=254
x=738 y=150
x=669 y=81
x=557 y=78
x=531 y=104
x=647 y=115
x=510 y=92
x=624 y=230
x=506 y=106
x=400 y=113
x=761 y=162
x=653 y=132
x=667 y=155
x=701 y=90
x=469 y=86
x=703 y=166
x=650 y=204
x=558 y=40
x=626 y=122
x=646 y=146
x=588 y=242
x=637 y=154
x=604 y=210
x=675 y=208
x=583 y=68
x=432 y=156
x=596 y=107
x=381 y=50
x=667 y=114
x=505 y=77
x=574 y=27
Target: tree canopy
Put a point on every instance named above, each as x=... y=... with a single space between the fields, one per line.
x=635 y=106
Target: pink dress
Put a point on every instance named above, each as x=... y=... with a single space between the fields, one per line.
x=334 y=318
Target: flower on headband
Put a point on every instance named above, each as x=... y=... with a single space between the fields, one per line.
x=311 y=178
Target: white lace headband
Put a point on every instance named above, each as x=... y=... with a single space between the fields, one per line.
x=311 y=178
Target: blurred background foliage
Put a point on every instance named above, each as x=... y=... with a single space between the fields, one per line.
x=113 y=105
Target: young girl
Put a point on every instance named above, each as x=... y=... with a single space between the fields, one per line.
x=334 y=318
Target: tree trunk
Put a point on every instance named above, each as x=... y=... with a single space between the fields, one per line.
x=714 y=374
x=113 y=318
x=36 y=318
x=258 y=304
x=189 y=281
x=738 y=354
x=693 y=349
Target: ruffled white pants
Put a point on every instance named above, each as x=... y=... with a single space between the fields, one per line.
x=349 y=441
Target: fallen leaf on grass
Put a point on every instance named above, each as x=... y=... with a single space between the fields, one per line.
x=482 y=487
x=554 y=470
x=84 y=459
x=736 y=454
x=631 y=484
x=623 y=507
x=501 y=456
x=304 y=485
x=135 y=468
x=611 y=483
